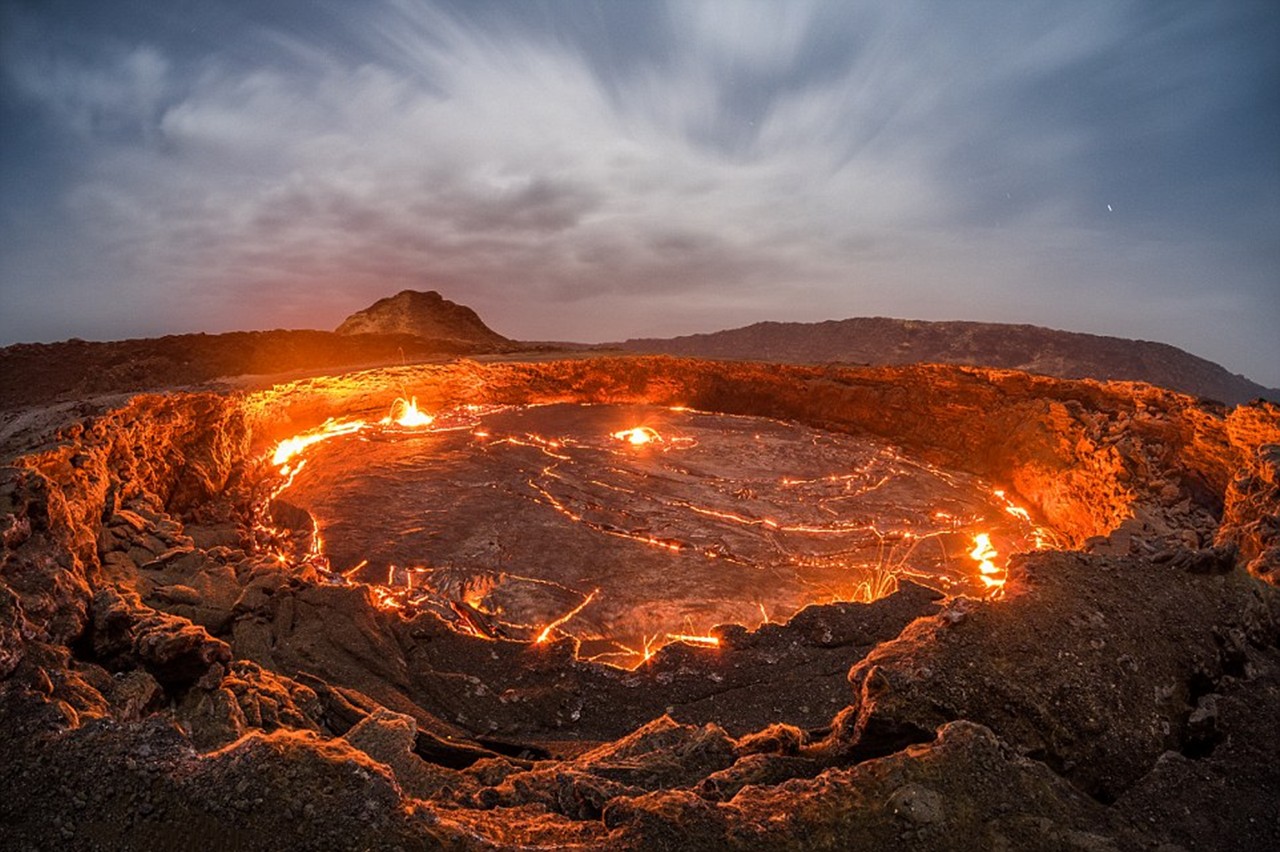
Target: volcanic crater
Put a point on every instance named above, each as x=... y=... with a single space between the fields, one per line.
x=565 y=519
x=645 y=602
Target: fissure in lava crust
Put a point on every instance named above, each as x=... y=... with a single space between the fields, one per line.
x=646 y=603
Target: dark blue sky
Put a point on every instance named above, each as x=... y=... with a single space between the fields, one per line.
x=594 y=171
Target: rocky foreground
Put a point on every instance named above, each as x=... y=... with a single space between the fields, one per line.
x=165 y=684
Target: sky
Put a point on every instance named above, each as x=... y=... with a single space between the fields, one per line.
x=593 y=171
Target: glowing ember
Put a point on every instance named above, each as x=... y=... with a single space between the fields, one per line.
x=637 y=437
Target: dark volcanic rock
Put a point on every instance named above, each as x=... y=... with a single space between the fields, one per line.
x=37 y=373
x=965 y=791
x=1234 y=755
x=1092 y=665
x=126 y=634
x=880 y=340
x=421 y=314
x=10 y=631
x=142 y=786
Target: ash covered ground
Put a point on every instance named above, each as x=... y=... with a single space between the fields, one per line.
x=166 y=680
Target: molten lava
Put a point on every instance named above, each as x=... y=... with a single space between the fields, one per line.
x=405 y=413
x=693 y=639
x=564 y=619
x=983 y=553
x=638 y=436
x=290 y=448
x=532 y=523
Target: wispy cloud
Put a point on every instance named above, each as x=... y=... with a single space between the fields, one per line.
x=595 y=172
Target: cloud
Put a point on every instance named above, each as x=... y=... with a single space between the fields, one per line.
x=115 y=94
x=595 y=175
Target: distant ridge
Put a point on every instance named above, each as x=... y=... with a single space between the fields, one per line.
x=38 y=373
x=886 y=341
x=427 y=315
